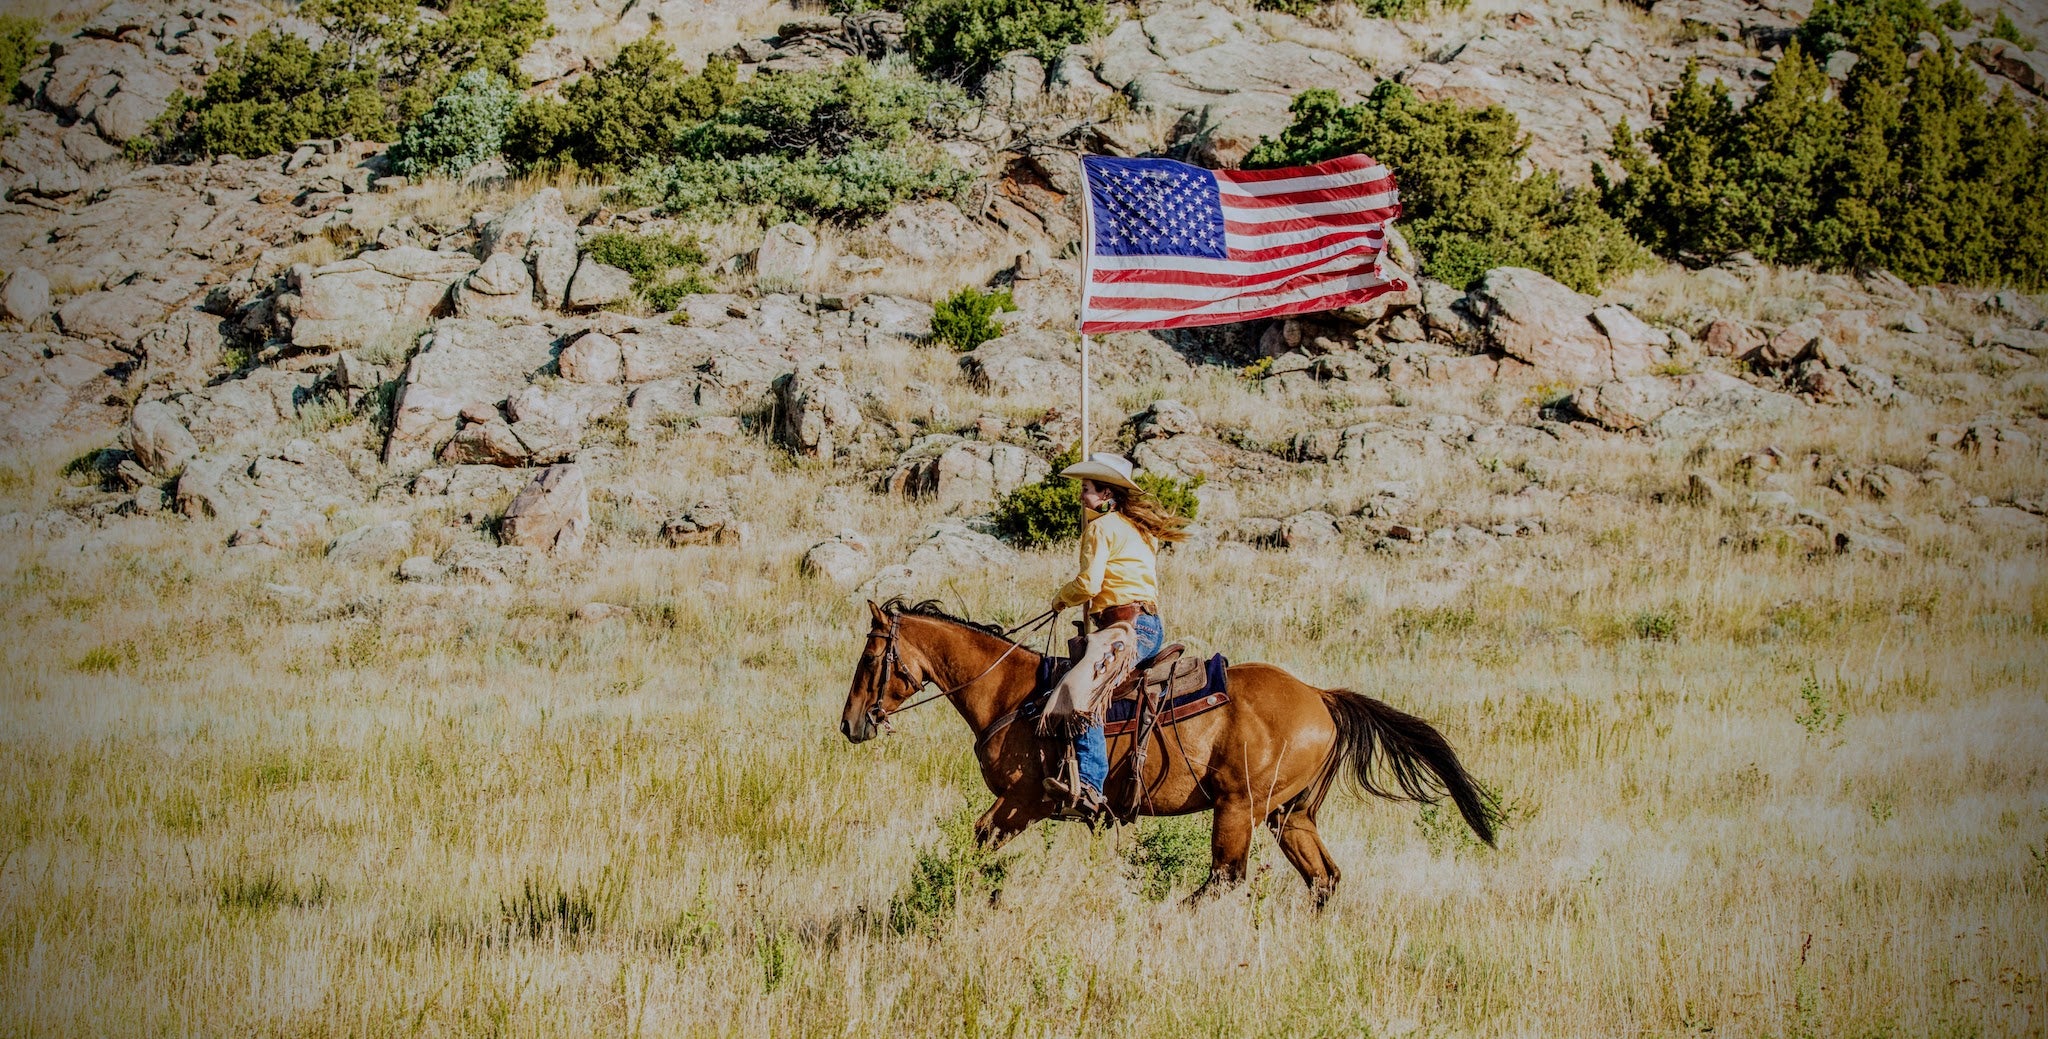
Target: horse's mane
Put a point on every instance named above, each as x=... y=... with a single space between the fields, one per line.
x=931 y=608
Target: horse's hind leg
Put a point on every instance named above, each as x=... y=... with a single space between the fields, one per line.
x=1303 y=846
x=1230 y=844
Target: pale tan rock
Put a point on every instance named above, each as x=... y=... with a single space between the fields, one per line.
x=596 y=284
x=158 y=439
x=816 y=417
x=552 y=514
x=594 y=358
x=25 y=298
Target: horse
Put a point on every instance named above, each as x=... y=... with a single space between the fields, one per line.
x=1271 y=752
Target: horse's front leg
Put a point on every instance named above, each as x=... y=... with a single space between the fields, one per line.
x=1230 y=844
x=1005 y=819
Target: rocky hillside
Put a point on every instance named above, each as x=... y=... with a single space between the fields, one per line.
x=318 y=355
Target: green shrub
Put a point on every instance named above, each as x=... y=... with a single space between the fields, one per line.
x=861 y=183
x=961 y=39
x=846 y=143
x=269 y=93
x=1839 y=24
x=632 y=110
x=1907 y=169
x=1953 y=15
x=1049 y=511
x=1043 y=513
x=464 y=127
x=2004 y=29
x=945 y=874
x=664 y=268
x=1168 y=854
x=20 y=41
x=966 y=319
x=1464 y=205
x=381 y=65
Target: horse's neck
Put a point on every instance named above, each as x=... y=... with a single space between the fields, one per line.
x=990 y=683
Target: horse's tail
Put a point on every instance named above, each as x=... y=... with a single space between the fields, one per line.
x=1417 y=756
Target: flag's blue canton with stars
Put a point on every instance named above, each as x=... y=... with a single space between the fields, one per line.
x=1155 y=207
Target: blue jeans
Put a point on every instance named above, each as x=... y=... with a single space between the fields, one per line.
x=1091 y=751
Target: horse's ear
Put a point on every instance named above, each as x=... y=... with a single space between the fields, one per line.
x=881 y=619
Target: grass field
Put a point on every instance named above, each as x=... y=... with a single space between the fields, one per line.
x=1748 y=792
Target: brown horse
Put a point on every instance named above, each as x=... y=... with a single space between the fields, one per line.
x=1270 y=753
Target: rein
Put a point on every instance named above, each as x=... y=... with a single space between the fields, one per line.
x=891 y=662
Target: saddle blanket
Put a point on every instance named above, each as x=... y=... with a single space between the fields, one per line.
x=1215 y=692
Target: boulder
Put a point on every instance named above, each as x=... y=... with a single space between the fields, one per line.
x=552 y=514
x=594 y=358
x=1310 y=530
x=182 y=351
x=355 y=302
x=1681 y=406
x=1166 y=418
x=25 y=298
x=1190 y=455
x=158 y=439
x=596 y=284
x=118 y=315
x=1787 y=347
x=1725 y=338
x=844 y=559
x=815 y=417
x=499 y=290
x=958 y=471
x=932 y=232
x=706 y=523
x=946 y=550
x=522 y=226
x=373 y=545
x=1532 y=318
x=895 y=315
x=462 y=363
x=1034 y=363
x=488 y=442
x=1018 y=78
x=783 y=262
x=2028 y=68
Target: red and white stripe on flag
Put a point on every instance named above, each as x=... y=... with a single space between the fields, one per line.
x=1175 y=246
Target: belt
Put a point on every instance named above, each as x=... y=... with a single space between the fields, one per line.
x=1126 y=613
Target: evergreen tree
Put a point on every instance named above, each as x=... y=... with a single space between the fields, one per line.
x=1682 y=203
x=1864 y=185
x=1789 y=142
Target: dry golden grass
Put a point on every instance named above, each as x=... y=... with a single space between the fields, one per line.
x=1750 y=793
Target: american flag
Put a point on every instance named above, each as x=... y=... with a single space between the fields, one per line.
x=1175 y=245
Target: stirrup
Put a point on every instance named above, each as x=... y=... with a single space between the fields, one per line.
x=1089 y=806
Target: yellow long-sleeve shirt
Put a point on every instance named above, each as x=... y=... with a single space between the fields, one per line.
x=1119 y=564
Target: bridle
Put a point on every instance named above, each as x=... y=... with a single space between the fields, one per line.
x=893 y=667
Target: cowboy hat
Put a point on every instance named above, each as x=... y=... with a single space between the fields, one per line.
x=1102 y=467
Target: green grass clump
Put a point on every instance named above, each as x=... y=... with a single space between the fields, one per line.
x=966 y=319
x=947 y=875
x=665 y=268
x=1170 y=854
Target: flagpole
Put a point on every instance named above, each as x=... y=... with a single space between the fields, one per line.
x=1087 y=252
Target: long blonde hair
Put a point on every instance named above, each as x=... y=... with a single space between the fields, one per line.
x=1145 y=513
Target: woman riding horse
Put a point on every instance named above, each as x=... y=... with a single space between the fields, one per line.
x=1119 y=582
x=1268 y=752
